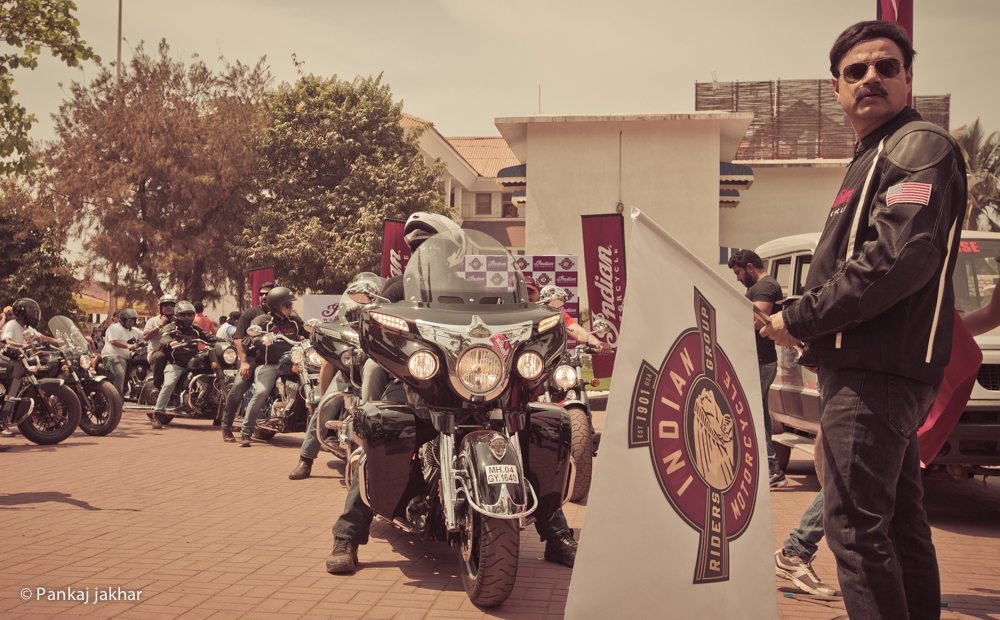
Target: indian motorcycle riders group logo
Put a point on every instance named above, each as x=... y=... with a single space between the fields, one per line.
x=692 y=415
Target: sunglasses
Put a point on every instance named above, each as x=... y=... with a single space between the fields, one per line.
x=887 y=67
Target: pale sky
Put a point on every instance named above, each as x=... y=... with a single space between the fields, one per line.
x=463 y=63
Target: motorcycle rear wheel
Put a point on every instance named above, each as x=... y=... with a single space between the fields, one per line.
x=488 y=557
x=54 y=423
x=106 y=412
x=582 y=450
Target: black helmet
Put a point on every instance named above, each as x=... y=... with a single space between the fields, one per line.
x=27 y=312
x=421 y=225
x=127 y=314
x=185 y=312
x=278 y=297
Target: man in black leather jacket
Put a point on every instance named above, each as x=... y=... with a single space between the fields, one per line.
x=877 y=319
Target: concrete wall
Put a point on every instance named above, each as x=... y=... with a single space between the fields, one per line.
x=783 y=200
x=669 y=169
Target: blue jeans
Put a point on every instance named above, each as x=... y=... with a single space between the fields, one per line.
x=310 y=444
x=803 y=541
x=116 y=366
x=263 y=383
x=767 y=374
x=235 y=398
x=874 y=514
x=171 y=374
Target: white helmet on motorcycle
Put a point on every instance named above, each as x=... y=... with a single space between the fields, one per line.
x=422 y=224
x=553 y=296
x=185 y=313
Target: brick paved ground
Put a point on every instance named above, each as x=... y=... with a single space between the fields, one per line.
x=208 y=529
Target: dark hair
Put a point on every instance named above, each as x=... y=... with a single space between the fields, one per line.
x=866 y=31
x=199 y=307
x=222 y=319
x=740 y=258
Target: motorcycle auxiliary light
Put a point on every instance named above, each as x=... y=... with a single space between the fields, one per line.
x=392 y=322
x=530 y=365
x=480 y=370
x=564 y=377
x=422 y=365
x=229 y=356
x=347 y=358
x=313 y=358
x=298 y=356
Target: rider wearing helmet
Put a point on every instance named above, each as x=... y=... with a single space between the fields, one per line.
x=281 y=321
x=177 y=343
x=352 y=528
x=555 y=297
x=120 y=340
x=244 y=379
x=151 y=332
x=26 y=314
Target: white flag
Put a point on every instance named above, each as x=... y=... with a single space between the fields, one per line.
x=679 y=517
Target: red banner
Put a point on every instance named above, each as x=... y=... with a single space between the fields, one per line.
x=258 y=277
x=900 y=12
x=604 y=261
x=395 y=252
x=959 y=379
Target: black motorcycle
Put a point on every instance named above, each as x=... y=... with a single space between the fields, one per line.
x=201 y=390
x=468 y=458
x=46 y=411
x=295 y=393
x=100 y=403
x=567 y=389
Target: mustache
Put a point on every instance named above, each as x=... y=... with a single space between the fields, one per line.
x=867 y=91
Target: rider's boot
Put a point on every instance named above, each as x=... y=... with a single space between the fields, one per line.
x=343 y=559
x=561 y=549
x=303 y=470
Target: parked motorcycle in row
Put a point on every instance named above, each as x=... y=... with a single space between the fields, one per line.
x=100 y=403
x=136 y=371
x=468 y=458
x=295 y=393
x=46 y=411
x=201 y=391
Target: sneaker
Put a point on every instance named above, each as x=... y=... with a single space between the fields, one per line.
x=800 y=572
x=777 y=479
x=561 y=549
x=343 y=559
x=244 y=442
x=157 y=425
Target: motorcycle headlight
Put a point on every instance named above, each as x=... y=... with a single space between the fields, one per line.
x=422 y=365
x=530 y=365
x=313 y=358
x=229 y=356
x=564 y=377
x=480 y=370
x=347 y=358
x=297 y=356
x=85 y=362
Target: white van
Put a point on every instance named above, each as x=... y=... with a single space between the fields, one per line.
x=974 y=445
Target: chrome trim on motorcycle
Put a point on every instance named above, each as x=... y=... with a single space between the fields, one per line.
x=362 y=476
x=571 y=481
x=501 y=509
x=446 y=450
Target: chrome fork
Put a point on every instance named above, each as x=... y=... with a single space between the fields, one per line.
x=446 y=458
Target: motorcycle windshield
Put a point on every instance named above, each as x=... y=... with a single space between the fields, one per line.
x=464 y=267
x=66 y=330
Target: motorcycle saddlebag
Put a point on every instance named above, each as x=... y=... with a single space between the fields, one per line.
x=545 y=446
x=389 y=433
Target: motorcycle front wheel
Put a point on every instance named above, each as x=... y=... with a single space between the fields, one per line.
x=106 y=411
x=582 y=450
x=55 y=417
x=488 y=557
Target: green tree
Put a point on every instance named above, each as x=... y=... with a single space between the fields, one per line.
x=337 y=165
x=31 y=255
x=156 y=171
x=27 y=27
x=982 y=159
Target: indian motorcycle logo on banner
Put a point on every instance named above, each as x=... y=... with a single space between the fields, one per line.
x=604 y=260
x=693 y=416
x=395 y=252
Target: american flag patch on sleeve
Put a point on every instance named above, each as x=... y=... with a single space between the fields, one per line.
x=910 y=193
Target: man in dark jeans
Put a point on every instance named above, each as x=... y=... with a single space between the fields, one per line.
x=244 y=378
x=765 y=292
x=877 y=318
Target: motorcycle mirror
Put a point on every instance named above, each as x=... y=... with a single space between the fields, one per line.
x=601 y=327
x=255 y=330
x=362 y=292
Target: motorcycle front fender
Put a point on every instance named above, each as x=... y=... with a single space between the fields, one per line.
x=492 y=476
x=50 y=381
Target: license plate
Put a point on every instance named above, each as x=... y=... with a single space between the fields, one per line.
x=502 y=474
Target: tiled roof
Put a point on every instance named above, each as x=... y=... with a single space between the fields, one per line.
x=486 y=154
x=410 y=122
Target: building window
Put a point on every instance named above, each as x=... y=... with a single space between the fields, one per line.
x=484 y=204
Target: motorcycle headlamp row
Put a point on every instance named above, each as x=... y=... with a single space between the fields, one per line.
x=313 y=358
x=229 y=356
x=479 y=369
x=548 y=323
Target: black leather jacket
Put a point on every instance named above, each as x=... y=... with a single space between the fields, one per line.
x=879 y=287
